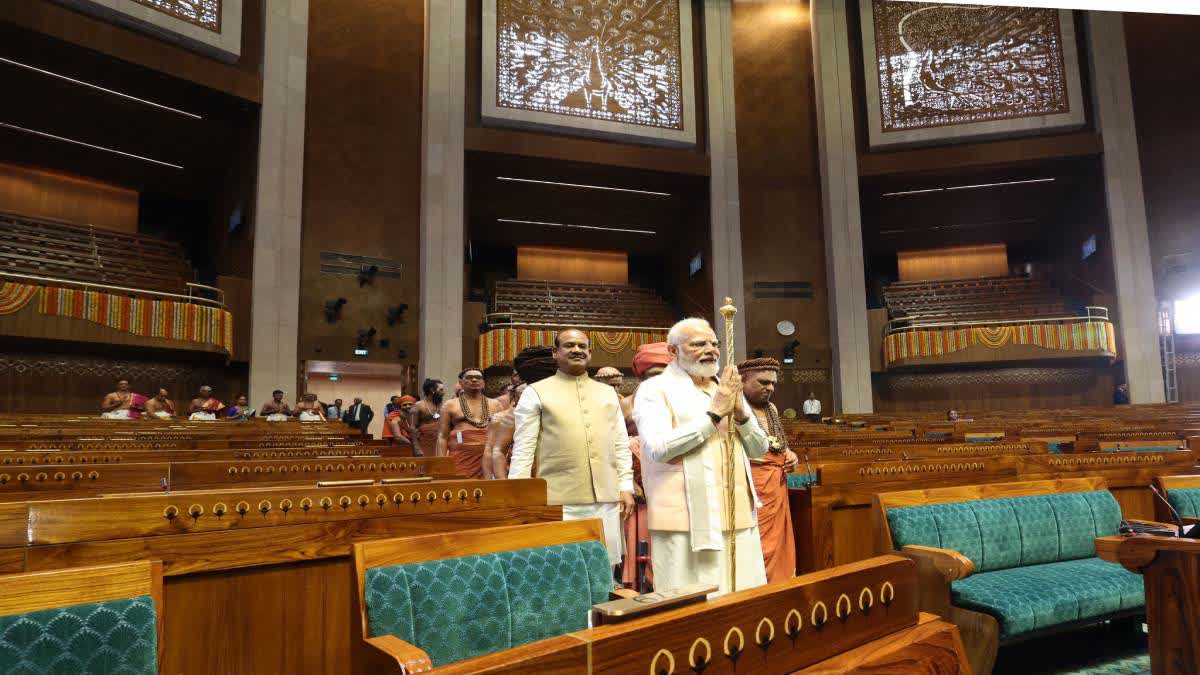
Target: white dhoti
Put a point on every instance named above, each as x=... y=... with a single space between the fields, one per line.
x=117 y=415
x=609 y=514
x=677 y=565
x=202 y=417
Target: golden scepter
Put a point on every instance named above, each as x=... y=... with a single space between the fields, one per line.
x=728 y=311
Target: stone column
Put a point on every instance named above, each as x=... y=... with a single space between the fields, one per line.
x=725 y=208
x=1136 y=301
x=842 y=221
x=442 y=226
x=275 y=290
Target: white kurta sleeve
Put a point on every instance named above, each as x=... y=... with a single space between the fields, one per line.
x=527 y=418
x=621 y=450
x=660 y=441
x=754 y=439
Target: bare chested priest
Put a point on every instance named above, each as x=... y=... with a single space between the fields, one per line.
x=464 y=423
x=117 y=403
x=427 y=415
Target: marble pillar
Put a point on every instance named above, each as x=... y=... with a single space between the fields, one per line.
x=275 y=290
x=842 y=220
x=442 y=195
x=1137 y=320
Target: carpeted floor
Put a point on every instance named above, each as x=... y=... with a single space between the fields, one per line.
x=1117 y=648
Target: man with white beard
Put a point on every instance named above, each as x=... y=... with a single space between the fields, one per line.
x=681 y=417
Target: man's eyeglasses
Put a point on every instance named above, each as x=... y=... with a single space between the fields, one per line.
x=473 y=378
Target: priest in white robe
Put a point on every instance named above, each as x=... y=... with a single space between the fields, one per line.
x=573 y=426
x=681 y=418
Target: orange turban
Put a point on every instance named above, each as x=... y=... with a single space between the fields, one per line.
x=650 y=355
x=407 y=399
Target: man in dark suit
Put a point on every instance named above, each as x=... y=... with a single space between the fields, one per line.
x=358 y=415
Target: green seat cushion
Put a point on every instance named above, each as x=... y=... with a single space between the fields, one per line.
x=799 y=480
x=1025 y=599
x=116 y=636
x=1149 y=447
x=1186 y=501
x=458 y=608
x=1011 y=531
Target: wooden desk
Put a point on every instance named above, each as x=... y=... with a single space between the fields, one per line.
x=1171 y=568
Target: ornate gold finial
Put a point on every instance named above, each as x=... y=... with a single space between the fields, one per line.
x=728 y=310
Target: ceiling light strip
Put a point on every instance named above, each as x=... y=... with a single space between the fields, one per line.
x=578 y=227
x=99 y=88
x=583 y=186
x=43 y=134
x=910 y=192
x=1010 y=182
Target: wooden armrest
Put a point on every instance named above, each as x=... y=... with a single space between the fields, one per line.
x=623 y=593
x=1190 y=521
x=410 y=658
x=952 y=565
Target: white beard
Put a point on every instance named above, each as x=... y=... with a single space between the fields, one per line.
x=698 y=369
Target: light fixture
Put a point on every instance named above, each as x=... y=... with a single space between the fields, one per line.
x=99 y=88
x=88 y=145
x=902 y=193
x=572 y=226
x=583 y=186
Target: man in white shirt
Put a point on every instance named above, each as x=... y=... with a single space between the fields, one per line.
x=812 y=408
x=682 y=417
x=573 y=426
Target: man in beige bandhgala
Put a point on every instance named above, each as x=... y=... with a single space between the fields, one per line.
x=573 y=427
x=682 y=417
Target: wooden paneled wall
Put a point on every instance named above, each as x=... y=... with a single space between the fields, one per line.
x=37 y=192
x=549 y=263
x=977 y=389
x=34 y=381
x=362 y=173
x=782 y=234
x=953 y=262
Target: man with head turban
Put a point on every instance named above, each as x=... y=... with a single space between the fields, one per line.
x=610 y=376
x=759 y=377
x=397 y=424
x=533 y=364
x=649 y=360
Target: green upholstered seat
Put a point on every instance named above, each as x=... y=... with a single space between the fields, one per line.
x=1025 y=599
x=799 y=480
x=1035 y=557
x=116 y=636
x=1149 y=447
x=458 y=608
x=1186 y=501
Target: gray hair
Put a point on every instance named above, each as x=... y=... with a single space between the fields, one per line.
x=676 y=335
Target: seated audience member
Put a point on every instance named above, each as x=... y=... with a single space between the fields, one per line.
x=334 y=412
x=610 y=376
x=241 y=410
x=497 y=446
x=358 y=415
x=204 y=406
x=117 y=404
x=275 y=410
x=308 y=409
x=396 y=425
x=953 y=416
x=812 y=408
x=392 y=404
x=160 y=406
x=1121 y=395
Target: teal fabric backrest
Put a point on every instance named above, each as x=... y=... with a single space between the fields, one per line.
x=1186 y=501
x=116 y=636
x=1011 y=531
x=1149 y=447
x=799 y=480
x=458 y=608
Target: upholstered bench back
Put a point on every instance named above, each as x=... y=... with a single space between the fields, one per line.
x=116 y=636
x=458 y=608
x=1010 y=531
x=1186 y=501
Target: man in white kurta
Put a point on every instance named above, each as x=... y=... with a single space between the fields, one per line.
x=573 y=426
x=682 y=417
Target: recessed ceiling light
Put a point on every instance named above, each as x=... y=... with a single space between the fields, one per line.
x=583 y=186
x=573 y=226
x=99 y=88
x=87 y=145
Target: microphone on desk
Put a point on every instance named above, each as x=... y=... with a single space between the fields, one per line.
x=1189 y=532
